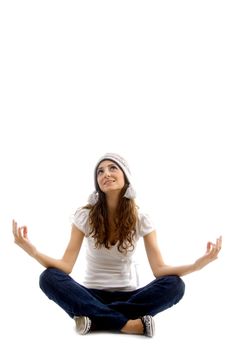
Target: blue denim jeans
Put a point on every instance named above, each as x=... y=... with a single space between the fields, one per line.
x=110 y=310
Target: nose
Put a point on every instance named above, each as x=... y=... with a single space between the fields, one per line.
x=106 y=172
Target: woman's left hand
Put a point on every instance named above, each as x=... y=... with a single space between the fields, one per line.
x=210 y=255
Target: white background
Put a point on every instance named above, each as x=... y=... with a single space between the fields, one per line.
x=151 y=80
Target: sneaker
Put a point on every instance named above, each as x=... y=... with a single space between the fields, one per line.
x=149 y=325
x=83 y=324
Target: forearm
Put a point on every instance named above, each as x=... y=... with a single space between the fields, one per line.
x=175 y=270
x=159 y=268
x=47 y=262
x=64 y=264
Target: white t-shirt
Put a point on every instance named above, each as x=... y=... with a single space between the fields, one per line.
x=110 y=269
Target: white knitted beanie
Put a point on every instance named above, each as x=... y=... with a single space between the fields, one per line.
x=122 y=163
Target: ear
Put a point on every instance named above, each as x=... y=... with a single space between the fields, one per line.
x=130 y=193
x=93 y=198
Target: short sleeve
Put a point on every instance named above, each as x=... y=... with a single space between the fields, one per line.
x=80 y=220
x=145 y=224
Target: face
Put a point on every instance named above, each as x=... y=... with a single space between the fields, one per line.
x=110 y=177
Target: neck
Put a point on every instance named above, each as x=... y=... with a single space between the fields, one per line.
x=112 y=203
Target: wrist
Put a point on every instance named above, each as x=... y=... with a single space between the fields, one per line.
x=34 y=253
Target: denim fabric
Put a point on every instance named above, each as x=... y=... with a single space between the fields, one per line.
x=110 y=310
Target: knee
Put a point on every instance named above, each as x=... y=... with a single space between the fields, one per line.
x=47 y=277
x=175 y=287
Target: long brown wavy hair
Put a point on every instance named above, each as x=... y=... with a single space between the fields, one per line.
x=125 y=222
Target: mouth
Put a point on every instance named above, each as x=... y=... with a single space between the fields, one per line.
x=108 y=182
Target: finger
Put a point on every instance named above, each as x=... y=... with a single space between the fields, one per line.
x=14 y=227
x=219 y=242
x=209 y=247
x=212 y=250
x=25 y=231
x=215 y=251
x=217 y=246
x=19 y=232
x=22 y=232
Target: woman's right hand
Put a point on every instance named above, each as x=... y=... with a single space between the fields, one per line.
x=21 y=239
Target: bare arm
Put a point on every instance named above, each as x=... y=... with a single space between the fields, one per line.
x=159 y=268
x=69 y=258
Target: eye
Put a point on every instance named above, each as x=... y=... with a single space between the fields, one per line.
x=99 y=171
x=113 y=167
